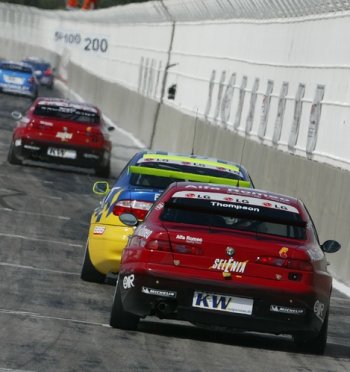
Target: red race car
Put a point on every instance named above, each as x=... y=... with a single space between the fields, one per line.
x=65 y=132
x=230 y=257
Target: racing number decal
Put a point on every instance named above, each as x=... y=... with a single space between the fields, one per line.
x=96 y=45
x=89 y=43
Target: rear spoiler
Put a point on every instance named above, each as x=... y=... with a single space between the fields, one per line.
x=187 y=176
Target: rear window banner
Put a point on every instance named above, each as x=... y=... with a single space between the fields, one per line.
x=294 y=132
x=242 y=88
x=252 y=104
x=315 y=116
x=67 y=113
x=265 y=108
x=16 y=68
x=280 y=113
x=226 y=201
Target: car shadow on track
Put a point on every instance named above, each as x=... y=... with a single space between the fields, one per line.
x=281 y=343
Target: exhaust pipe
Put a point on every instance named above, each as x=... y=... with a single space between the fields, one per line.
x=166 y=307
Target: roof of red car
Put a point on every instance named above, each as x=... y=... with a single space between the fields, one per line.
x=66 y=103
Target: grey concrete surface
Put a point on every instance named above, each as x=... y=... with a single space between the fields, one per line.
x=50 y=320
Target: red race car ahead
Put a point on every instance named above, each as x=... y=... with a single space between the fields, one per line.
x=65 y=132
x=231 y=257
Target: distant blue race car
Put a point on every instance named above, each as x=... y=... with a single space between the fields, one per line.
x=19 y=78
x=42 y=69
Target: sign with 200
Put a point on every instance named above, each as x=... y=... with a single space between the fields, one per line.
x=89 y=43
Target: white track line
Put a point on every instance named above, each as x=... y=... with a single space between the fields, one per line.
x=40 y=240
x=35 y=213
x=37 y=269
x=35 y=315
x=341 y=287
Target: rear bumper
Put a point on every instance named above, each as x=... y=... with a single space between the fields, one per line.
x=273 y=311
x=22 y=90
x=25 y=148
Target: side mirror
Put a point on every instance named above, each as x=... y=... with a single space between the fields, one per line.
x=101 y=188
x=330 y=246
x=128 y=219
x=16 y=115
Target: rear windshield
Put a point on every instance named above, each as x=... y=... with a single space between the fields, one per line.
x=67 y=113
x=16 y=68
x=236 y=216
x=164 y=182
x=38 y=65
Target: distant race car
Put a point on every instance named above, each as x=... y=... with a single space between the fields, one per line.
x=42 y=69
x=62 y=132
x=19 y=78
x=141 y=182
x=227 y=257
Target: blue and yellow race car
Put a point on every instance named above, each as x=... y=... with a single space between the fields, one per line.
x=140 y=183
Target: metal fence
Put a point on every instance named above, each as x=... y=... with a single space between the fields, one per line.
x=196 y=10
x=182 y=10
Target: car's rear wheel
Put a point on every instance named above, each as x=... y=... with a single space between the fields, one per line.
x=88 y=271
x=120 y=318
x=11 y=156
x=315 y=345
x=105 y=171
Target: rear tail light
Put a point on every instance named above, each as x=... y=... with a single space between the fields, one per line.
x=48 y=72
x=286 y=263
x=95 y=134
x=138 y=208
x=159 y=242
x=187 y=249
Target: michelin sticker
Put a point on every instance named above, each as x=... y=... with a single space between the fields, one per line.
x=158 y=292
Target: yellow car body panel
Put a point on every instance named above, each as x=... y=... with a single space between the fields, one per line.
x=106 y=248
x=107 y=238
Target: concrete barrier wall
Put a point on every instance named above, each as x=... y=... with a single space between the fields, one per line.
x=126 y=82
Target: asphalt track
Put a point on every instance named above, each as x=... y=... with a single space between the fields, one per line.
x=50 y=320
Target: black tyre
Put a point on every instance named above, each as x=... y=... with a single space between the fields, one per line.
x=103 y=172
x=88 y=271
x=120 y=318
x=314 y=345
x=12 y=158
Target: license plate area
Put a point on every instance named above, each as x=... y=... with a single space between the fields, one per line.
x=220 y=302
x=61 y=153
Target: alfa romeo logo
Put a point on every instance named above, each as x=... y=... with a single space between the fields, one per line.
x=230 y=251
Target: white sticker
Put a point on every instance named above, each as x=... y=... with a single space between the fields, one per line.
x=128 y=281
x=99 y=230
